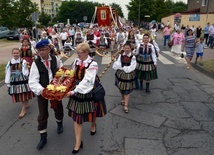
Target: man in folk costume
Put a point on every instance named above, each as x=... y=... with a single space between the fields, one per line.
x=146 y=62
x=42 y=72
x=91 y=39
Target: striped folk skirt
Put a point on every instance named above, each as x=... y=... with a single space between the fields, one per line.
x=19 y=88
x=145 y=69
x=82 y=108
x=147 y=75
x=125 y=82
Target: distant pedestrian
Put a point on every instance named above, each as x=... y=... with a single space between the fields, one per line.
x=206 y=32
x=166 y=34
x=178 y=40
x=190 y=43
x=199 y=51
x=198 y=31
x=16 y=78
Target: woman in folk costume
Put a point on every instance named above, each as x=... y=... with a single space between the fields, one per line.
x=90 y=38
x=78 y=36
x=131 y=39
x=125 y=74
x=97 y=34
x=81 y=106
x=112 y=36
x=16 y=78
x=103 y=42
x=26 y=52
x=146 y=62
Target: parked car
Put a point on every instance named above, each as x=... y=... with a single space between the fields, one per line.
x=3 y=32
x=13 y=35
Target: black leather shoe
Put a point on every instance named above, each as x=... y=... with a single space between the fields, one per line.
x=94 y=132
x=76 y=151
x=59 y=127
x=42 y=141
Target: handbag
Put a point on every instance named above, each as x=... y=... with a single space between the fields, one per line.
x=98 y=91
x=170 y=43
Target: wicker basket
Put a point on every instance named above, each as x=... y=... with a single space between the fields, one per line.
x=69 y=82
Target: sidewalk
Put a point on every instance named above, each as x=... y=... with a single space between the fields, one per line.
x=208 y=55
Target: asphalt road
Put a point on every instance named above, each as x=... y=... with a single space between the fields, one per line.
x=176 y=118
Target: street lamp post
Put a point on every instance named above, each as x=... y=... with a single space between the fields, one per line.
x=139 y=15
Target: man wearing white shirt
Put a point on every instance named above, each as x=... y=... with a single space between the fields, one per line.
x=211 y=35
x=42 y=71
x=72 y=33
x=63 y=36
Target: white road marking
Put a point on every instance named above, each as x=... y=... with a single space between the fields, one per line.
x=181 y=60
x=70 y=60
x=106 y=59
x=164 y=60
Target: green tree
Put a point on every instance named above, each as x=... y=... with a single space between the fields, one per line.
x=118 y=8
x=179 y=7
x=6 y=8
x=44 y=19
x=75 y=11
x=156 y=9
x=146 y=7
x=15 y=13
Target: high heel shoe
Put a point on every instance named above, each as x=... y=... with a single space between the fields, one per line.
x=76 y=151
x=94 y=132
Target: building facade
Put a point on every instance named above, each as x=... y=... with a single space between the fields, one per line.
x=203 y=6
x=50 y=7
x=199 y=13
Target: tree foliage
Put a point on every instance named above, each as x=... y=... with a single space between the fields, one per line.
x=44 y=19
x=76 y=10
x=118 y=8
x=156 y=9
x=17 y=13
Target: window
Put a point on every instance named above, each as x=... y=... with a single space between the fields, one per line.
x=204 y=2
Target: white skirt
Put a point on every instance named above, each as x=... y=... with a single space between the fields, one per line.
x=176 y=49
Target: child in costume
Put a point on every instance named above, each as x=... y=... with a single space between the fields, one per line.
x=16 y=78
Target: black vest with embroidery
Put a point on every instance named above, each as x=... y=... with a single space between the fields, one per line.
x=142 y=50
x=43 y=72
x=125 y=60
x=90 y=37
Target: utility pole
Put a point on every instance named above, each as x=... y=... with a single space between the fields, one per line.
x=207 y=10
x=139 y=14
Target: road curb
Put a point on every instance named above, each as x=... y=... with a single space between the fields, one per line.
x=203 y=70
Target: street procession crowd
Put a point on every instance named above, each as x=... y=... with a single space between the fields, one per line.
x=34 y=65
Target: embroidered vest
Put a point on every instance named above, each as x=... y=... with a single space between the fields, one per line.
x=43 y=72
